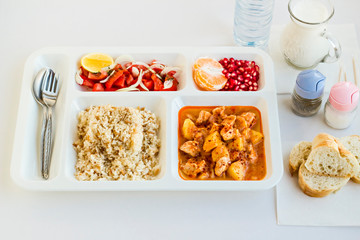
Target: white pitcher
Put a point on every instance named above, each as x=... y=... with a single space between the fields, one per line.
x=305 y=41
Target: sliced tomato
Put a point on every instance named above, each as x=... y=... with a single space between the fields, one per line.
x=84 y=72
x=130 y=80
x=147 y=75
x=112 y=79
x=111 y=89
x=149 y=84
x=117 y=67
x=98 y=87
x=88 y=83
x=173 y=87
x=158 y=84
x=120 y=82
x=97 y=76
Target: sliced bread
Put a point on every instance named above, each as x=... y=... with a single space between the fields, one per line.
x=299 y=153
x=319 y=186
x=352 y=143
x=330 y=158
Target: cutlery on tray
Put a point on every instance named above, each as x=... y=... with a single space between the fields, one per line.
x=45 y=91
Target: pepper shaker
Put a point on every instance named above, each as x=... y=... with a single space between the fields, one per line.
x=340 y=108
x=308 y=91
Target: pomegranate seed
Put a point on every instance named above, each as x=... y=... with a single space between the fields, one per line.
x=242 y=75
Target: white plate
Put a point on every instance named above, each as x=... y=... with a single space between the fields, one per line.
x=72 y=99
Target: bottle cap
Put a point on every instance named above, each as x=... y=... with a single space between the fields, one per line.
x=344 y=96
x=310 y=84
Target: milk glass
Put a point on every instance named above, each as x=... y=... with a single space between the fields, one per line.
x=305 y=41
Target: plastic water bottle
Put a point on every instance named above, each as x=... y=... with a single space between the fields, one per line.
x=252 y=22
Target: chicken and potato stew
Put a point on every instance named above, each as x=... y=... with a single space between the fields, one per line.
x=221 y=143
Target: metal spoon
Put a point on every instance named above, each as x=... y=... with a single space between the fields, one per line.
x=37 y=93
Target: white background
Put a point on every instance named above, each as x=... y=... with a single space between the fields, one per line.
x=26 y=26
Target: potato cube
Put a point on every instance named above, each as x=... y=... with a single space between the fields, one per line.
x=237 y=171
x=238 y=144
x=212 y=141
x=219 y=152
x=256 y=137
x=189 y=129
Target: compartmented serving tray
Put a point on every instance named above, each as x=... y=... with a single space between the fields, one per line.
x=25 y=164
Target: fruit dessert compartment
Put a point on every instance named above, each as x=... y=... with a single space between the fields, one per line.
x=245 y=71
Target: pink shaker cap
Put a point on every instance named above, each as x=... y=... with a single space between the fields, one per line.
x=344 y=96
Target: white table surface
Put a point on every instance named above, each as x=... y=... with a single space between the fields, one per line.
x=26 y=26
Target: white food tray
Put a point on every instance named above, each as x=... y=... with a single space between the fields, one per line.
x=25 y=164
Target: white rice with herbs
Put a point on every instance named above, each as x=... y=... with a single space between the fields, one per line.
x=117 y=143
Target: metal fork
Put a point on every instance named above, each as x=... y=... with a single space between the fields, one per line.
x=50 y=91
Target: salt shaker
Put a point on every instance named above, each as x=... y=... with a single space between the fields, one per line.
x=308 y=91
x=340 y=108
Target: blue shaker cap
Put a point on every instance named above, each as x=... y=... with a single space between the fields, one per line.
x=310 y=84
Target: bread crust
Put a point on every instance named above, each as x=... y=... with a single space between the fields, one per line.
x=298 y=155
x=324 y=140
x=308 y=190
x=352 y=143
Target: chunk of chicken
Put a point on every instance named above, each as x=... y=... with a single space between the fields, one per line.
x=229 y=120
x=237 y=170
x=193 y=167
x=240 y=123
x=227 y=132
x=212 y=141
x=251 y=153
x=250 y=118
x=222 y=165
x=219 y=111
x=191 y=147
x=201 y=135
x=218 y=114
x=219 y=152
x=189 y=129
x=203 y=117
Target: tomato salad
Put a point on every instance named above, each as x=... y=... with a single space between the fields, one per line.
x=129 y=75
